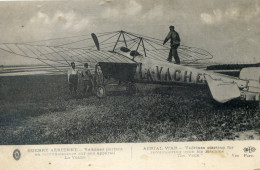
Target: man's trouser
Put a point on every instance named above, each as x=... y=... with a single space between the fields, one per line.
x=87 y=86
x=173 y=52
x=73 y=83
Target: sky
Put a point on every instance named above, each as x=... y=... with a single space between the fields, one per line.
x=229 y=30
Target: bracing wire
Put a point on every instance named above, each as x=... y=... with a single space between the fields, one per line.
x=65 y=52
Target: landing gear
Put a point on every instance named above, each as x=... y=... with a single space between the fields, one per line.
x=114 y=77
x=100 y=91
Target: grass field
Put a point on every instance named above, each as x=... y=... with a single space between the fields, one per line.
x=39 y=110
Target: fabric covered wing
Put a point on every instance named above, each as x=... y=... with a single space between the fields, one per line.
x=61 y=56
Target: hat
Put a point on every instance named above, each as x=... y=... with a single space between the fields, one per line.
x=171 y=27
x=72 y=63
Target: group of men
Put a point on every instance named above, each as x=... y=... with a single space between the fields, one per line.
x=74 y=75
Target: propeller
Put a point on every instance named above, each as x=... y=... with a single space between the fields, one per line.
x=95 y=39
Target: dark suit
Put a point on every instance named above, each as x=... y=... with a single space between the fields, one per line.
x=175 y=43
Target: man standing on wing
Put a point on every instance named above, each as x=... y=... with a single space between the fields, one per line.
x=87 y=79
x=175 y=43
x=73 y=78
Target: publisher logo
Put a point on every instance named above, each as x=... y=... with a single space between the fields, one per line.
x=17 y=154
x=249 y=149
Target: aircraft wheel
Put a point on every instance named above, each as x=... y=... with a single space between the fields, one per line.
x=100 y=91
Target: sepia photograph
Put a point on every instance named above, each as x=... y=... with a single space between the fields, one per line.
x=129 y=71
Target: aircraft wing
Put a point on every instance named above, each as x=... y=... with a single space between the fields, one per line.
x=58 y=57
x=58 y=53
x=230 y=69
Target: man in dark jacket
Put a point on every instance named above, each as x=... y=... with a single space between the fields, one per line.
x=175 y=43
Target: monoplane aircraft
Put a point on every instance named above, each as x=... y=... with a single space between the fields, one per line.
x=130 y=58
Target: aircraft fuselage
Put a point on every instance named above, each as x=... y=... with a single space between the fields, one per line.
x=223 y=87
x=151 y=71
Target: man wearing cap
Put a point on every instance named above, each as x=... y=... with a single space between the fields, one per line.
x=73 y=78
x=175 y=43
x=87 y=79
